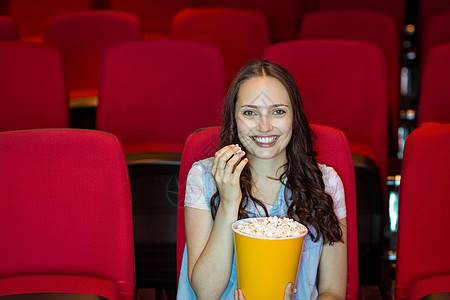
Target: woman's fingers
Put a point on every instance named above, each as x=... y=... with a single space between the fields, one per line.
x=227 y=167
x=238 y=295
x=240 y=166
x=288 y=292
x=234 y=161
x=225 y=160
x=220 y=156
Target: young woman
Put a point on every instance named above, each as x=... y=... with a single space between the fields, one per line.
x=265 y=166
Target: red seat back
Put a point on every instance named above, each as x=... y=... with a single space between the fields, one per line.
x=242 y=35
x=367 y=26
x=82 y=38
x=434 y=99
x=427 y=9
x=394 y=8
x=8 y=29
x=432 y=34
x=281 y=15
x=65 y=214
x=343 y=85
x=160 y=91
x=422 y=252
x=30 y=15
x=155 y=16
x=33 y=91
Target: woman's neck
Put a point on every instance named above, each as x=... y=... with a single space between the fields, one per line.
x=263 y=169
x=265 y=175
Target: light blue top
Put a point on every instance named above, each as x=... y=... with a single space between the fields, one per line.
x=201 y=186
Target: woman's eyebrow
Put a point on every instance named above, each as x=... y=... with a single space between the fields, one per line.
x=256 y=106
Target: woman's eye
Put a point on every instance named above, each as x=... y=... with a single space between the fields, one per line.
x=279 y=112
x=249 y=113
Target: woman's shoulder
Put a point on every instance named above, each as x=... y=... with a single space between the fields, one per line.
x=200 y=185
x=330 y=176
x=327 y=170
x=201 y=170
x=334 y=187
x=204 y=164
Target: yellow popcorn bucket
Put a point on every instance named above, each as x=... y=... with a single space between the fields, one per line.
x=265 y=265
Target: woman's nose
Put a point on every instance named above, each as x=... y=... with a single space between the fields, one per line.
x=265 y=124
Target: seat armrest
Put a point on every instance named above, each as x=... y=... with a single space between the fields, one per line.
x=369 y=292
x=171 y=158
x=437 y=287
x=151 y=294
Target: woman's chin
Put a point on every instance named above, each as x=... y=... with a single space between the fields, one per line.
x=266 y=154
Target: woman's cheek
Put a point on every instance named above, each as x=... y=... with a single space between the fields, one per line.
x=244 y=129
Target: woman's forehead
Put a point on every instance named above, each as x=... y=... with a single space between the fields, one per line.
x=263 y=91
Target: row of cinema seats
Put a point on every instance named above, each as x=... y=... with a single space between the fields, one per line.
x=66 y=213
x=69 y=33
x=191 y=22
x=156 y=15
x=82 y=37
x=81 y=47
x=241 y=35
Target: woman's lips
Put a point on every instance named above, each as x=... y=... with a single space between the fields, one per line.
x=265 y=141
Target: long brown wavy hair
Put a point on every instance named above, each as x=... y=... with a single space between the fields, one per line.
x=310 y=203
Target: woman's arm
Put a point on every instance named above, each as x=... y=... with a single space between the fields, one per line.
x=332 y=274
x=210 y=244
x=210 y=252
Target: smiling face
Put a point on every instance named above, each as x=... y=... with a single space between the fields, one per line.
x=264 y=118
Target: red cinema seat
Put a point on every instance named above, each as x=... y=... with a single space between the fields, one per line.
x=8 y=29
x=152 y=95
x=394 y=8
x=422 y=254
x=155 y=16
x=33 y=92
x=242 y=35
x=30 y=15
x=282 y=15
x=433 y=34
x=434 y=99
x=430 y=8
x=367 y=26
x=65 y=214
x=343 y=84
x=334 y=151
x=82 y=38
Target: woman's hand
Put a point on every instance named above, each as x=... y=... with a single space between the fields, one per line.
x=226 y=171
x=288 y=292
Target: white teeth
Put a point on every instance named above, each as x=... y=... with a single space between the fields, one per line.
x=265 y=139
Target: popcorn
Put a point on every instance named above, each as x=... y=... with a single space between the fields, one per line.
x=272 y=227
